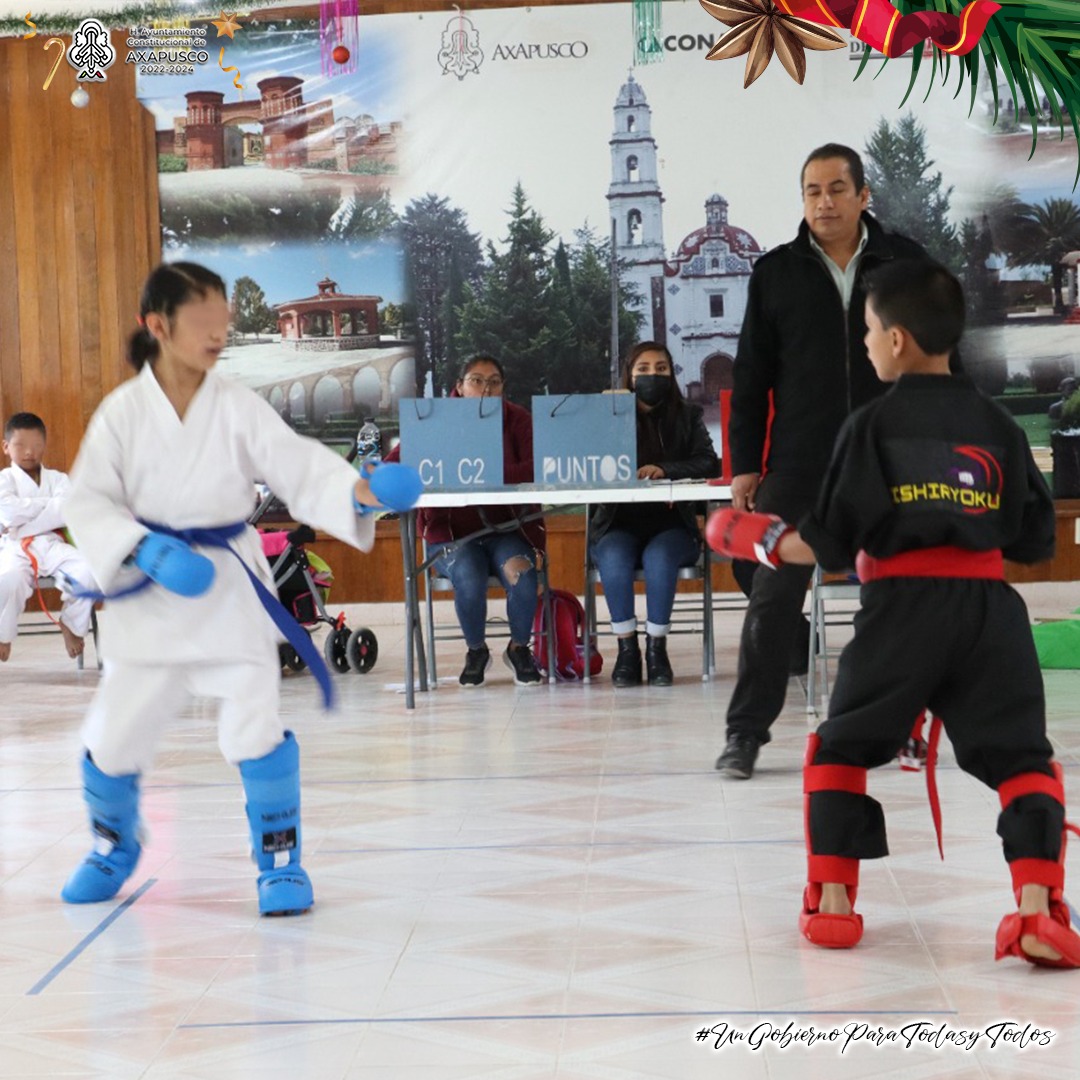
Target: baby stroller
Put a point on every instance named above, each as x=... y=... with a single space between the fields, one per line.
x=302 y=581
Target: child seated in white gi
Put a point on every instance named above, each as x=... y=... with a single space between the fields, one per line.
x=31 y=517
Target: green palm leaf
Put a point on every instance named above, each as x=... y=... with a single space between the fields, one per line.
x=1034 y=45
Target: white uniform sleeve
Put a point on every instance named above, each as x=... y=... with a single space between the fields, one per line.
x=51 y=510
x=16 y=510
x=103 y=527
x=315 y=483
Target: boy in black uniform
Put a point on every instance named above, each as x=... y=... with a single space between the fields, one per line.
x=929 y=489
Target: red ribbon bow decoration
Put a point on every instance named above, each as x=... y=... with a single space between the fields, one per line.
x=880 y=25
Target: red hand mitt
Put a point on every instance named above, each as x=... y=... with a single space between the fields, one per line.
x=743 y=534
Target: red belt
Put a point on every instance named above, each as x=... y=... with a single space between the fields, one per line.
x=950 y=562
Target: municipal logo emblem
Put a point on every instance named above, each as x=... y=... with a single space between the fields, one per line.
x=91 y=51
x=460 y=52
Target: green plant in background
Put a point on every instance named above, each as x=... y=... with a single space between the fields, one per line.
x=1070 y=414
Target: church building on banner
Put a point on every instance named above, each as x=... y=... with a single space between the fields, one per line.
x=695 y=300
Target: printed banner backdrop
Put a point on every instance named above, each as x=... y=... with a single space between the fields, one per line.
x=285 y=186
x=464 y=182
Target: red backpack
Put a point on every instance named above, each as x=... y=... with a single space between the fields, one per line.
x=569 y=618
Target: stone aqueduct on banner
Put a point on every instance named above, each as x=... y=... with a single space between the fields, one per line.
x=371 y=389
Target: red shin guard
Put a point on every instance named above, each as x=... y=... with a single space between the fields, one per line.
x=822 y=928
x=1053 y=930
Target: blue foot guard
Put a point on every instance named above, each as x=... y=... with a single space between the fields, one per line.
x=113 y=802
x=272 y=787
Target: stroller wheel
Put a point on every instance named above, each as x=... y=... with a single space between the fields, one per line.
x=335 y=649
x=290 y=658
x=362 y=650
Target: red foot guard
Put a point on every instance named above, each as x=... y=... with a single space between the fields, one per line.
x=828 y=931
x=1052 y=930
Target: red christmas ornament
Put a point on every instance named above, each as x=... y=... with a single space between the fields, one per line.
x=340 y=54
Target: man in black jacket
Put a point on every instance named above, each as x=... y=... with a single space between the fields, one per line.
x=801 y=352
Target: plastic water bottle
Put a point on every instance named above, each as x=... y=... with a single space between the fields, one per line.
x=368 y=440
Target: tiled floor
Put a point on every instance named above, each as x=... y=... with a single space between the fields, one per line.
x=518 y=884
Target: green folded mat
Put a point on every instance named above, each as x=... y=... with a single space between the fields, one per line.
x=1058 y=643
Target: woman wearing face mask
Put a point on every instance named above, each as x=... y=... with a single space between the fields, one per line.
x=672 y=444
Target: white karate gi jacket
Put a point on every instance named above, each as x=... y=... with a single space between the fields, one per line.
x=139 y=460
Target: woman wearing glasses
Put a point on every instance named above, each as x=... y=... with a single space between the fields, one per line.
x=673 y=444
x=509 y=553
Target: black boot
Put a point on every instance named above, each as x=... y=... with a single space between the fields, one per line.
x=627 y=670
x=740 y=754
x=657 y=665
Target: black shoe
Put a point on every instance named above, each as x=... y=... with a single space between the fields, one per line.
x=737 y=760
x=477 y=661
x=657 y=665
x=627 y=669
x=519 y=659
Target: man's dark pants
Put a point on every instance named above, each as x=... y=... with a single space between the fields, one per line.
x=774 y=616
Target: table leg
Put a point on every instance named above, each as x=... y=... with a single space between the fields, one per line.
x=414 y=645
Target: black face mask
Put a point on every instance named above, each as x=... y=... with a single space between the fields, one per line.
x=652 y=389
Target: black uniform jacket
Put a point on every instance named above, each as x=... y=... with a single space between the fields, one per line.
x=797 y=342
x=935 y=462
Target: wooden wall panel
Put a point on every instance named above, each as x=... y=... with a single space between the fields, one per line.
x=79 y=231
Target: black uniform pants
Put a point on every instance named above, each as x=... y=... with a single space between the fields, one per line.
x=963 y=648
x=773 y=618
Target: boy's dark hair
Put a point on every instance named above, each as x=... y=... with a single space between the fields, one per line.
x=24 y=421
x=922 y=297
x=167 y=287
x=837 y=150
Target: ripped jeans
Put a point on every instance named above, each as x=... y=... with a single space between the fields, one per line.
x=471 y=564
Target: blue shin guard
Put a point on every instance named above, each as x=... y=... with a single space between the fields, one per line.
x=272 y=787
x=113 y=802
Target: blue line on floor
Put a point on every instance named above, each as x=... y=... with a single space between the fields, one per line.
x=688 y=1013
x=643 y=842
x=89 y=939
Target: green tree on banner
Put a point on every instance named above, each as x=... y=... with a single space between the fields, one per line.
x=982 y=288
x=1042 y=235
x=508 y=313
x=251 y=313
x=905 y=196
x=441 y=257
x=590 y=272
x=392 y=319
x=562 y=374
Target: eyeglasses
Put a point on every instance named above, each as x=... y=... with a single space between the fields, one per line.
x=494 y=382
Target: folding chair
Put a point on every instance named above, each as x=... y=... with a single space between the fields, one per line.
x=845 y=595
x=496 y=626
x=46 y=625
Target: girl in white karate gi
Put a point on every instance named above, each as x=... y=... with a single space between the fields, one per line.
x=31 y=513
x=180 y=448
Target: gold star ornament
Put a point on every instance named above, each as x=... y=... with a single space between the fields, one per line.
x=759 y=28
x=226 y=25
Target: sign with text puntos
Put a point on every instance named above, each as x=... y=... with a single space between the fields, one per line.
x=585 y=440
x=455 y=443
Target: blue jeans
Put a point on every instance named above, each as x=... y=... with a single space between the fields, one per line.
x=619 y=553
x=470 y=565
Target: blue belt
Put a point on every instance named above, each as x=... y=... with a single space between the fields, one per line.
x=291 y=630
